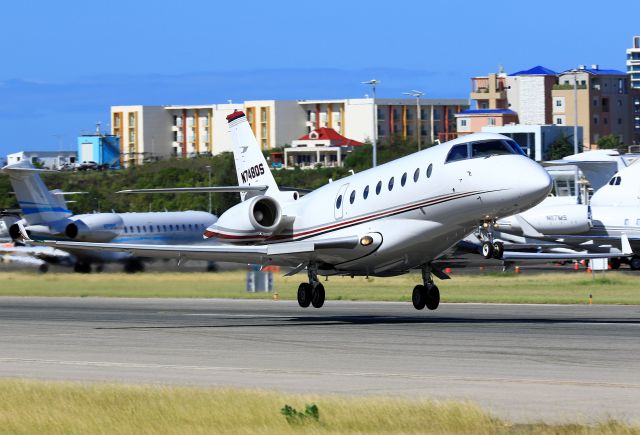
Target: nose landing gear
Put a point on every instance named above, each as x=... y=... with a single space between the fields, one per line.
x=490 y=248
x=311 y=293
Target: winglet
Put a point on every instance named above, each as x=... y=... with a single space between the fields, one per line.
x=527 y=228
x=626 y=246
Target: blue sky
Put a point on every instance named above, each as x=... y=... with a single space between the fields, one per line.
x=65 y=63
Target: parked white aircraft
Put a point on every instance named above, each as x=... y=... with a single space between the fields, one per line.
x=600 y=227
x=383 y=221
x=46 y=216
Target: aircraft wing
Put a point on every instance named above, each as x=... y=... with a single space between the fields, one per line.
x=216 y=189
x=537 y=256
x=285 y=253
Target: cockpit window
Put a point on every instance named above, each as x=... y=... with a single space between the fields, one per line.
x=458 y=152
x=490 y=148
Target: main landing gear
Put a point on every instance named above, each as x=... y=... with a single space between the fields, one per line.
x=427 y=295
x=311 y=293
x=490 y=248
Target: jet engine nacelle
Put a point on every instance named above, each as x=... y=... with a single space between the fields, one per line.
x=556 y=219
x=260 y=214
x=101 y=227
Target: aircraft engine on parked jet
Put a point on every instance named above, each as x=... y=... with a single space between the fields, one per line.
x=100 y=227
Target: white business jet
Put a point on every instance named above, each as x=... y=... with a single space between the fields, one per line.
x=383 y=221
x=610 y=224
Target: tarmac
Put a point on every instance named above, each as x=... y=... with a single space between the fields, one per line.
x=555 y=363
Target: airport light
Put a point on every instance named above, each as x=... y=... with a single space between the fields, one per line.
x=575 y=132
x=417 y=95
x=209 y=171
x=374 y=83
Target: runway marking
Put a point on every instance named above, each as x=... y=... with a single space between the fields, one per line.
x=257 y=370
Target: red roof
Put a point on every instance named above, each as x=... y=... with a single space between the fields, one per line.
x=332 y=135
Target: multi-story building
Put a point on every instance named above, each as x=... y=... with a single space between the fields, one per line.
x=489 y=92
x=156 y=132
x=633 y=62
x=354 y=118
x=604 y=103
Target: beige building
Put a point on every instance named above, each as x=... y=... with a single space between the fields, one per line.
x=604 y=104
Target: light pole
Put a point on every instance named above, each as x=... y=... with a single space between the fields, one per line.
x=209 y=171
x=575 y=133
x=417 y=95
x=374 y=83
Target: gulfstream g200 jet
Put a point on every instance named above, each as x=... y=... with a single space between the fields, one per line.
x=384 y=221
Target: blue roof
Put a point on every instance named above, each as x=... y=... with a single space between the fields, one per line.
x=487 y=112
x=535 y=71
x=598 y=71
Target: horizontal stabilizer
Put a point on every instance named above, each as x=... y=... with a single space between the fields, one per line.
x=217 y=189
x=527 y=229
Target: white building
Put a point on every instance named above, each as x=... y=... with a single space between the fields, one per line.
x=535 y=140
x=323 y=146
x=633 y=62
x=48 y=159
x=529 y=94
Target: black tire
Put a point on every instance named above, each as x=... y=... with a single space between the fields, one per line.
x=82 y=268
x=419 y=297
x=432 y=297
x=498 y=250
x=615 y=263
x=487 y=250
x=43 y=268
x=317 y=296
x=634 y=263
x=212 y=266
x=305 y=293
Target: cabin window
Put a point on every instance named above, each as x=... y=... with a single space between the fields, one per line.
x=170 y=227
x=138 y=228
x=125 y=230
x=190 y=227
x=339 y=201
x=416 y=175
x=352 y=197
x=144 y=228
x=378 y=187
x=618 y=181
x=626 y=222
x=131 y=229
x=429 y=170
x=391 y=184
x=164 y=227
x=365 y=192
x=184 y=227
x=403 y=180
x=458 y=152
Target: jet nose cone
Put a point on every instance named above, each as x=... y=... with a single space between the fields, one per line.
x=536 y=183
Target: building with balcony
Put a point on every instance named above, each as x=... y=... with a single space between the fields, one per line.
x=604 y=103
x=354 y=118
x=633 y=62
x=489 y=92
x=323 y=146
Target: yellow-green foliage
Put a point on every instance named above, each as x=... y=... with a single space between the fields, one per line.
x=569 y=287
x=29 y=407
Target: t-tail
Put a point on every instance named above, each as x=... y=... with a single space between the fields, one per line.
x=251 y=166
x=39 y=206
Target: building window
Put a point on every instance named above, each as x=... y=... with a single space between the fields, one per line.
x=491 y=121
x=619 y=121
x=595 y=120
x=463 y=123
x=558 y=121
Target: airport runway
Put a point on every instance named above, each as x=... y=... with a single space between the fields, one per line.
x=527 y=362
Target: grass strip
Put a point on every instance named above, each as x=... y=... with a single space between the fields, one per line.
x=66 y=408
x=553 y=288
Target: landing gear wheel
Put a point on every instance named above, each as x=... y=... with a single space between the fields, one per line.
x=305 y=292
x=419 y=297
x=317 y=296
x=498 y=250
x=432 y=297
x=634 y=263
x=614 y=263
x=487 y=250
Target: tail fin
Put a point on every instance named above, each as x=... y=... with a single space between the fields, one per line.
x=251 y=167
x=38 y=205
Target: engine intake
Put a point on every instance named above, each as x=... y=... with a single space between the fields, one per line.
x=265 y=214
